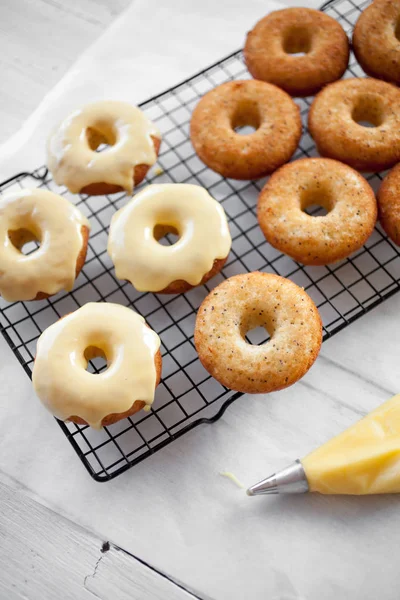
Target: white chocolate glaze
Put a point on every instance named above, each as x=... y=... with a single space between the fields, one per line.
x=233 y=478
x=57 y=224
x=188 y=209
x=363 y=459
x=124 y=127
x=59 y=374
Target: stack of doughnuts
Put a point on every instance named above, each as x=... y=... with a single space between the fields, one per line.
x=294 y=52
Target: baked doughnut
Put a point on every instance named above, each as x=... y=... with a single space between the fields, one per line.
x=376 y=40
x=186 y=210
x=114 y=332
x=265 y=107
x=134 y=142
x=242 y=303
x=62 y=232
x=270 y=48
x=389 y=204
x=334 y=123
x=343 y=192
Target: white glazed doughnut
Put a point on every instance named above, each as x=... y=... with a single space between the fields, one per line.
x=62 y=232
x=203 y=245
x=115 y=332
x=133 y=142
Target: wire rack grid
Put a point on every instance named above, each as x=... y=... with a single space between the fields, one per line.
x=187 y=395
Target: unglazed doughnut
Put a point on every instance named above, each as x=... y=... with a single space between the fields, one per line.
x=389 y=204
x=133 y=140
x=334 y=119
x=344 y=193
x=242 y=303
x=375 y=40
x=118 y=334
x=268 y=109
x=271 y=45
x=188 y=210
x=59 y=227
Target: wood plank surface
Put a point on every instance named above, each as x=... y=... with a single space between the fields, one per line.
x=44 y=556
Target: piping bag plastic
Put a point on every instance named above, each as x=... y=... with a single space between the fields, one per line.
x=364 y=459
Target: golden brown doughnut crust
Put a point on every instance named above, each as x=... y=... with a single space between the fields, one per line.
x=236 y=103
x=389 y=204
x=346 y=195
x=271 y=45
x=139 y=173
x=180 y=286
x=333 y=123
x=136 y=406
x=375 y=41
x=257 y=299
x=80 y=261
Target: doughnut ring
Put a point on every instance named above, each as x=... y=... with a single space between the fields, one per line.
x=114 y=332
x=133 y=145
x=186 y=210
x=334 y=123
x=265 y=107
x=270 y=48
x=59 y=227
x=389 y=204
x=242 y=303
x=344 y=193
x=376 y=40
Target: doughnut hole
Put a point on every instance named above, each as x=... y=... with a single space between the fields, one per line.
x=256 y=327
x=166 y=235
x=97 y=359
x=101 y=136
x=246 y=118
x=317 y=201
x=297 y=41
x=26 y=239
x=368 y=111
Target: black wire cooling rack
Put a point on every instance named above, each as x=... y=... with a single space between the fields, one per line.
x=187 y=395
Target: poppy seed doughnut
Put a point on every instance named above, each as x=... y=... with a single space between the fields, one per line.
x=242 y=303
x=268 y=109
x=317 y=240
x=272 y=50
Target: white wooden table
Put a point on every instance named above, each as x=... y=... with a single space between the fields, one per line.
x=47 y=553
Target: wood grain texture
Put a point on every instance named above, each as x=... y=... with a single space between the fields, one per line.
x=44 y=556
x=39 y=41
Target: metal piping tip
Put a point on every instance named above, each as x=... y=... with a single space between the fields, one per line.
x=291 y=480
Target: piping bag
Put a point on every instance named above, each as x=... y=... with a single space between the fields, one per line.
x=364 y=459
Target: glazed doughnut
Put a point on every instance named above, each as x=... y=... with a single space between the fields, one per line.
x=268 y=109
x=133 y=140
x=118 y=334
x=375 y=40
x=271 y=45
x=59 y=227
x=242 y=303
x=389 y=204
x=343 y=192
x=187 y=210
x=334 y=120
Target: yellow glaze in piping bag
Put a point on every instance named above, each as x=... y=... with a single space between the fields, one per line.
x=364 y=459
